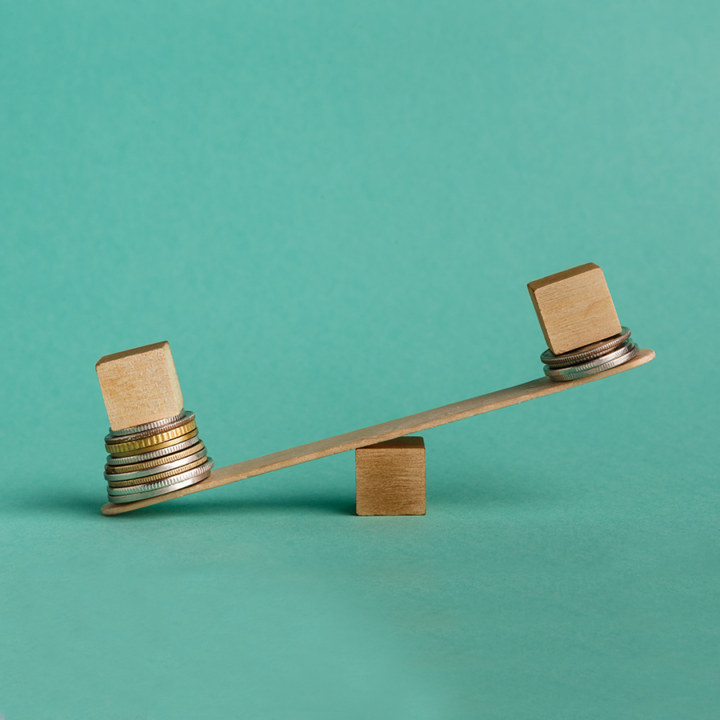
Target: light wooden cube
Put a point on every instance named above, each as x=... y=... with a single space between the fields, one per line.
x=390 y=477
x=139 y=386
x=574 y=308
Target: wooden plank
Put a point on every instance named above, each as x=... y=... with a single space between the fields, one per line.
x=380 y=433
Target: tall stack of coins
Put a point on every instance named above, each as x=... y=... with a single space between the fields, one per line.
x=591 y=359
x=155 y=458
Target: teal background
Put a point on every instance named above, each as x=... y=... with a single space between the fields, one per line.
x=331 y=211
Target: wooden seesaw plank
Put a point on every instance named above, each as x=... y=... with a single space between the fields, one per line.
x=379 y=433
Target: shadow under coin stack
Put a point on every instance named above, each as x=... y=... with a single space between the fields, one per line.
x=591 y=359
x=156 y=458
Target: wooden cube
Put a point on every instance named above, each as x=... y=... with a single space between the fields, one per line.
x=139 y=386
x=574 y=308
x=390 y=477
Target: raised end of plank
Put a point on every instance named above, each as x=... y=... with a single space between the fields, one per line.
x=380 y=433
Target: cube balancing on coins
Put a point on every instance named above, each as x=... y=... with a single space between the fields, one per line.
x=581 y=327
x=153 y=443
x=574 y=308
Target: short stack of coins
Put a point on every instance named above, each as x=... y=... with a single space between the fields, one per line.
x=156 y=458
x=591 y=359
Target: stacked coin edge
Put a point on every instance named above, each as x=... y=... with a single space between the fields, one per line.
x=590 y=359
x=156 y=458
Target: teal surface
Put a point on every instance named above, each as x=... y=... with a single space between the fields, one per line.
x=331 y=211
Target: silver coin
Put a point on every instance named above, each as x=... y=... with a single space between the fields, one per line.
x=155 y=479
x=618 y=352
x=122 y=477
x=585 y=353
x=137 y=490
x=559 y=376
x=188 y=416
x=147 y=426
x=130 y=459
x=119 y=499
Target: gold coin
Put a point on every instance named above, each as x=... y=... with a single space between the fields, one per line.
x=149 y=442
x=158 y=446
x=157 y=476
x=135 y=467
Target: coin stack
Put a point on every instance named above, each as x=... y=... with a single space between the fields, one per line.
x=591 y=359
x=155 y=458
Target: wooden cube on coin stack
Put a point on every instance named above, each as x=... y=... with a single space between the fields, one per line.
x=153 y=443
x=580 y=325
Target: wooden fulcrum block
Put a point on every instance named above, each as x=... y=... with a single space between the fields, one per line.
x=139 y=386
x=574 y=308
x=390 y=477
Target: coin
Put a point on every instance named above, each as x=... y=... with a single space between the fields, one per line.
x=155 y=458
x=588 y=352
x=125 y=472
x=187 y=417
x=135 y=478
x=164 y=486
x=151 y=436
x=157 y=477
x=134 y=467
x=120 y=499
x=130 y=485
x=149 y=442
x=147 y=426
x=579 y=371
x=624 y=348
x=138 y=489
x=161 y=452
x=169 y=443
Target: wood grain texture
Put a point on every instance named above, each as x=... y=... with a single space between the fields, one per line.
x=139 y=386
x=574 y=308
x=380 y=433
x=390 y=477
